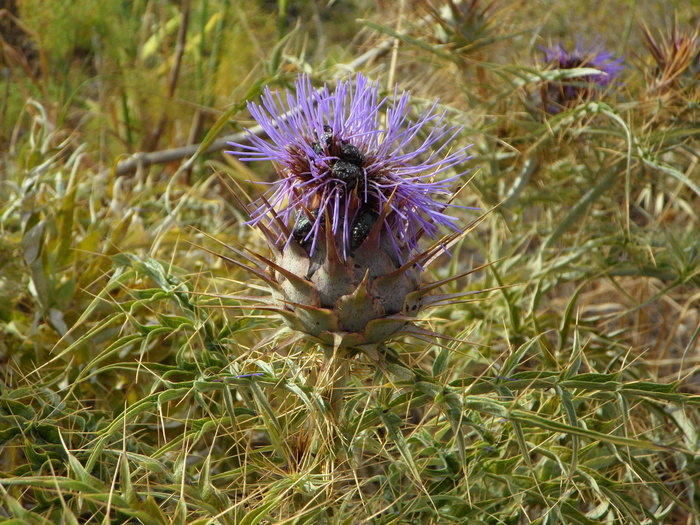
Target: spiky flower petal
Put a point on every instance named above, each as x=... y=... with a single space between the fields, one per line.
x=336 y=159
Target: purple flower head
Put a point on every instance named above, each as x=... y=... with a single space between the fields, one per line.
x=592 y=56
x=347 y=158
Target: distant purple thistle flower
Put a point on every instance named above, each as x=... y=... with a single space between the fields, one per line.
x=593 y=56
x=335 y=158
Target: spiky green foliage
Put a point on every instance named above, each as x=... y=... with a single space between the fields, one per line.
x=138 y=387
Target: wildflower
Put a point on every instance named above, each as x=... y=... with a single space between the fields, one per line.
x=333 y=155
x=567 y=92
x=353 y=199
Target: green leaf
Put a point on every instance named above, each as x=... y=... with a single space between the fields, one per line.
x=32 y=243
x=441 y=362
x=256 y=515
x=392 y=423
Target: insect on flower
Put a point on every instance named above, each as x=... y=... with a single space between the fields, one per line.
x=359 y=184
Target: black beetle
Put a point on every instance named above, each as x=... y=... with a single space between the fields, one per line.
x=348 y=173
x=351 y=154
x=303 y=226
x=326 y=138
x=364 y=222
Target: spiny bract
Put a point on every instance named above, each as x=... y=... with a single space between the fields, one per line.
x=353 y=199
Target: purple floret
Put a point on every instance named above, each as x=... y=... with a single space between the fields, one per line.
x=567 y=91
x=593 y=56
x=344 y=153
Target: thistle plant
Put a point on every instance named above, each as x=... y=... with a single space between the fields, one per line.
x=464 y=25
x=568 y=92
x=570 y=394
x=676 y=57
x=360 y=184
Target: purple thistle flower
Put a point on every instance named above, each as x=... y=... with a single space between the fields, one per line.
x=592 y=56
x=338 y=163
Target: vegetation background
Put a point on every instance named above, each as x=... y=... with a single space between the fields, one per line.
x=134 y=385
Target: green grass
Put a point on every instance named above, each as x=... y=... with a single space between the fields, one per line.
x=138 y=388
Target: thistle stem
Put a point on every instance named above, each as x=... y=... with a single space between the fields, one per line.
x=334 y=380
